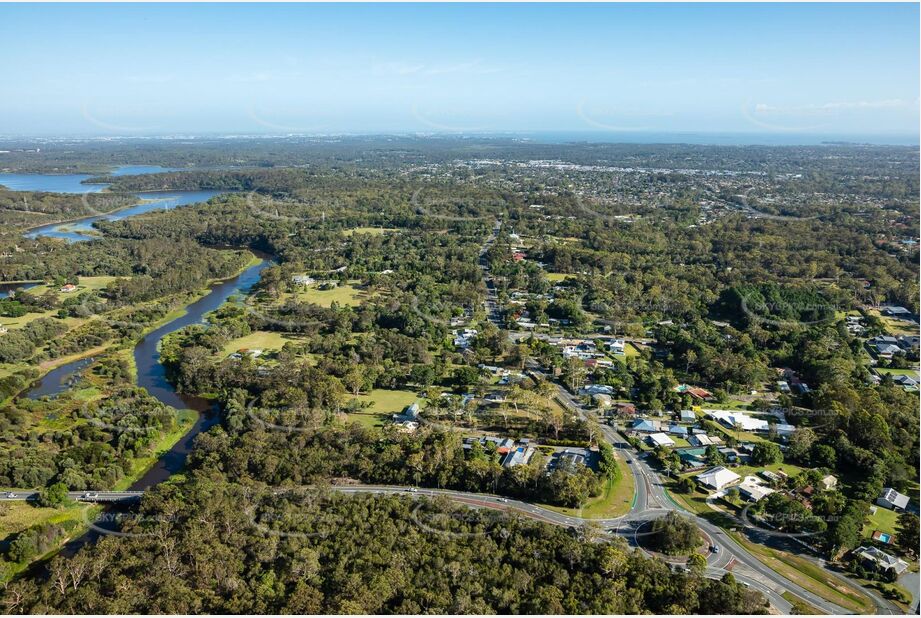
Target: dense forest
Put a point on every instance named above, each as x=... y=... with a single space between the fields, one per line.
x=209 y=546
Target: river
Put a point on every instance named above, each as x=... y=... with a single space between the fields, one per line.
x=150 y=373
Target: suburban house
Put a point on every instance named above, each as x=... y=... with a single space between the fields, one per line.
x=518 y=456
x=625 y=408
x=896 y=311
x=738 y=420
x=463 y=338
x=409 y=413
x=692 y=457
x=304 y=280
x=891 y=499
x=660 y=439
x=702 y=439
x=874 y=557
x=829 y=482
x=906 y=382
x=68 y=287
x=687 y=416
x=678 y=430
x=717 y=478
x=596 y=389
x=693 y=391
x=645 y=425
x=784 y=429
x=752 y=490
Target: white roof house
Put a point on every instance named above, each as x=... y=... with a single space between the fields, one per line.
x=784 y=429
x=891 y=499
x=752 y=490
x=660 y=439
x=717 y=477
x=702 y=439
x=738 y=420
x=881 y=558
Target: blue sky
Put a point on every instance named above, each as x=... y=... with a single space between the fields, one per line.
x=789 y=69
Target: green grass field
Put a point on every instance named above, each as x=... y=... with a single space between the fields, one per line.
x=83 y=284
x=631 y=350
x=258 y=340
x=345 y=294
x=883 y=519
x=615 y=500
x=555 y=277
x=911 y=373
x=373 y=231
x=810 y=576
x=384 y=403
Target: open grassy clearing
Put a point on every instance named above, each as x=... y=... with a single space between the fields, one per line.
x=343 y=294
x=911 y=373
x=895 y=326
x=258 y=340
x=83 y=284
x=373 y=231
x=22 y=515
x=384 y=403
x=883 y=519
x=555 y=277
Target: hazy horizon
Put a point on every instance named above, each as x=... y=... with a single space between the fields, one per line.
x=823 y=72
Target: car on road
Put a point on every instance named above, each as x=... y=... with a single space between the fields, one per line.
x=715 y=549
x=90 y=495
x=10 y=494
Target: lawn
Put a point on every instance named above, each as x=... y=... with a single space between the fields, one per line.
x=911 y=373
x=810 y=576
x=373 y=231
x=896 y=326
x=800 y=606
x=883 y=519
x=257 y=340
x=383 y=404
x=555 y=277
x=83 y=284
x=615 y=500
x=631 y=350
x=17 y=516
x=344 y=294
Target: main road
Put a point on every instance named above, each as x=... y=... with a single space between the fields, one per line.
x=652 y=497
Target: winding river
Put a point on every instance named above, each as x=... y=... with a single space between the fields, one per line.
x=150 y=373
